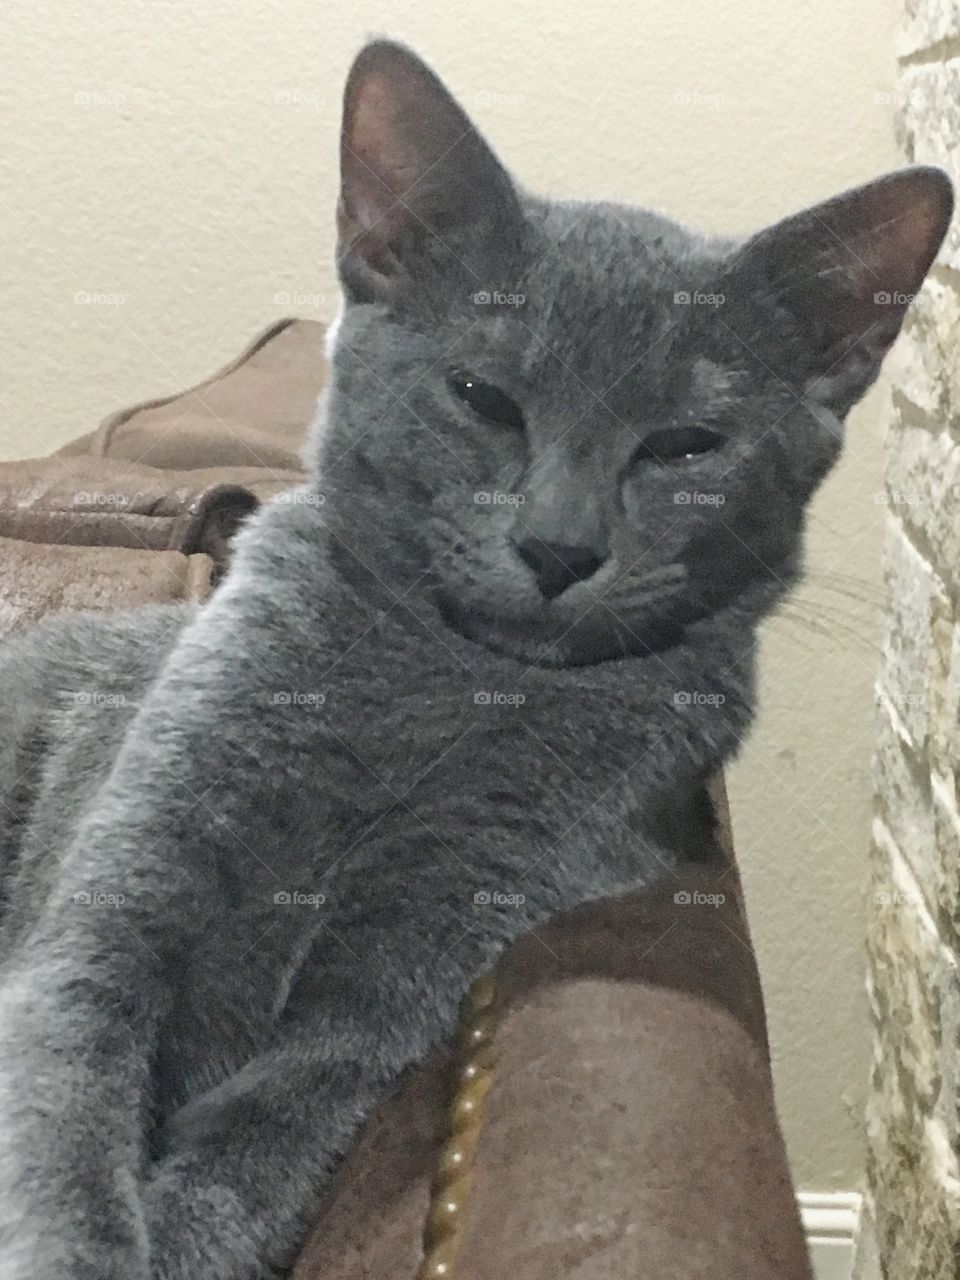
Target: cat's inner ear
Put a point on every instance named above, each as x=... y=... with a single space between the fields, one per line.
x=421 y=192
x=847 y=270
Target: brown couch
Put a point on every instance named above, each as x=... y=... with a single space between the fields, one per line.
x=617 y=1114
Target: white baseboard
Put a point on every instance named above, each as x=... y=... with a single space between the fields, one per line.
x=830 y=1222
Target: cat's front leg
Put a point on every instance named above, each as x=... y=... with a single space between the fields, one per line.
x=245 y=1166
x=73 y=1087
x=236 y=1194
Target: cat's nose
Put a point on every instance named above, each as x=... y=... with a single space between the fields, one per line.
x=557 y=566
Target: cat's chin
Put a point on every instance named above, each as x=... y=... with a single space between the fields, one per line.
x=559 y=641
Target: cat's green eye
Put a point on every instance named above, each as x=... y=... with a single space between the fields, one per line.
x=678 y=444
x=487 y=401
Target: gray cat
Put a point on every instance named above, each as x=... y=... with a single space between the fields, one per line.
x=504 y=632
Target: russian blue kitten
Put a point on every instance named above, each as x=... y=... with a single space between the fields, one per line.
x=506 y=627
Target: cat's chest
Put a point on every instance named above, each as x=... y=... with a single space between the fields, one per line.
x=466 y=758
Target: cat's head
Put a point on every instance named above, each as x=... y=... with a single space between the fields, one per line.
x=567 y=430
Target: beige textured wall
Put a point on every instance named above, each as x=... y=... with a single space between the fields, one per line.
x=180 y=157
x=914 y=904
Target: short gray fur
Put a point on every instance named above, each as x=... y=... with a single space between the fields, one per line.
x=185 y=1056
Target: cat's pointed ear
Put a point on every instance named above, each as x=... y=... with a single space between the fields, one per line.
x=846 y=271
x=421 y=193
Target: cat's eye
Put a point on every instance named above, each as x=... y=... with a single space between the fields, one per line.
x=678 y=444
x=487 y=401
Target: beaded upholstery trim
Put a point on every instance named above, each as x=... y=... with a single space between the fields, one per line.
x=451 y=1181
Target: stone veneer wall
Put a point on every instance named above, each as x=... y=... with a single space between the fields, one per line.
x=914 y=931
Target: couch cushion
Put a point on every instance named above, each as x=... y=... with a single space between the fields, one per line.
x=92 y=501
x=252 y=413
x=36 y=580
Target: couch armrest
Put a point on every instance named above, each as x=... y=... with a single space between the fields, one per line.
x=629 y=1128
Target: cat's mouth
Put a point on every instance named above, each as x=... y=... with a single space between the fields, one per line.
x=562 y=637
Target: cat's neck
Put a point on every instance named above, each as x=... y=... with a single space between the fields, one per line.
x=286 y=569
